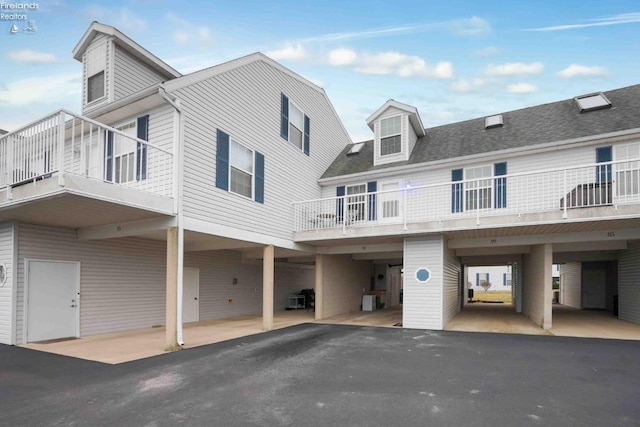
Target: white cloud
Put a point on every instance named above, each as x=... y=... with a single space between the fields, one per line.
x=522 y=88
x=340 y=57
x=395 y=63
x=290 y=52
x=37 y=90
x=121 y=18
x=185 y=32
x=472 y=27
x=181 y=37
x=467 y=85
x=31 y=56
x=624 y=18
x=487 y=52
x=575 y=70
x=515 y=69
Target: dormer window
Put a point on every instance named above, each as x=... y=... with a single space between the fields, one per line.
x=390 y=135
x=95 y=64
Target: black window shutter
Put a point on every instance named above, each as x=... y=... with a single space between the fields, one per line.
x=143 y=133
x=222 y=160
x=284 y=116
x=340 y=202
x=259 y=177
x=307 y=125
x=603 y=173
x=500 y=185
x=108 y=157
x=372 y=188
x=456 y=191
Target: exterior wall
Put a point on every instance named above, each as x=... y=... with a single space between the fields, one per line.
x=130 y=75
x=391 y=158
x=6 y=290
x=423 y=302
x=98 y=39
x=537 y=285
x=571 y=274
x=123 y=280
x=496 y=277
x=450 y=286
x=628 y=285
x=245 y=103
x=345 y=281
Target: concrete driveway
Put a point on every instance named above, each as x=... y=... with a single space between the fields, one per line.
x=319 y=375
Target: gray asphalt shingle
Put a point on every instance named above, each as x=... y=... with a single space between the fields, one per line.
x=557 y=121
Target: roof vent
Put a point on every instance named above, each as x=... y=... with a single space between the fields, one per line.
x=493 y=121
x=355 y=149
x=592 y=101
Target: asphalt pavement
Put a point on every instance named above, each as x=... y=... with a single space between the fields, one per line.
x=335 y=375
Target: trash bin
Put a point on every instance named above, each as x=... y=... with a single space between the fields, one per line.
x=470 y=294
x=615 y=305
x=556 y=297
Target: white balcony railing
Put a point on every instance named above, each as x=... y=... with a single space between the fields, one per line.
x=65 y=143
x=560 y=190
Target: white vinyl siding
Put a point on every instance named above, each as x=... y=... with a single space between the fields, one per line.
x=423 y=302
x=131 y=75
x=628 y=287
x=251 y=94
x=6 y=290
x=123 y=281
x=97 y=59
x=450 y=286
x=570 y=281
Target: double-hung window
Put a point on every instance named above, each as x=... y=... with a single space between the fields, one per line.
x=390 y=135
x=124 y=154
x=241 y=168
x=478 y=191
x=295 y=126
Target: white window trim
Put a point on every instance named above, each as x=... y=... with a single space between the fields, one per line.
x=252 y=174
x=491 y=179
x=390 y=136
x=301 y=148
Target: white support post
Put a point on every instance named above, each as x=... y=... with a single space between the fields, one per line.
x=566 y=196
x=267 y=287
x=61 y=148
x=344 y=215
x=10 y=166
x=404 y=208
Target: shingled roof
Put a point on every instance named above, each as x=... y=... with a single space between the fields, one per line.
x=547 y=123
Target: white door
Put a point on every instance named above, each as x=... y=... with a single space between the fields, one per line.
x=394 y=284
x=190 y=295
x=389 y=203
x=594 y=289
x=52 y=300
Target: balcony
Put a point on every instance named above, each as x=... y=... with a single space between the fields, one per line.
x=83 y=171
x=554 y=196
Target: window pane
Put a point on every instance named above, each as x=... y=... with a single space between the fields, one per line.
x=95 y=87
x=390 y=145
x=295 y=136
x=241 y=157
x=240 y=182
x=296 y=117
x=390 y=126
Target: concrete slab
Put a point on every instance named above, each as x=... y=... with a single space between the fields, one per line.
x=497 y=318
x=385 y=318
x=126 y=346
x=571 y=322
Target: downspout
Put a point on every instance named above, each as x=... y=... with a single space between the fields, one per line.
x=178 y=171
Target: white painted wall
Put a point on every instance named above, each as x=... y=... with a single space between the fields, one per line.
x=628 y=285
x=345 y=281
x=570 y=284
x=6 y=290
x=98 y=40
x=123 y=280
x=537 y=285
x=496 y=277
x=423 y=302
x=245 y=103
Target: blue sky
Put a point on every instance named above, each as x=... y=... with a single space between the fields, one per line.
x=453 y=60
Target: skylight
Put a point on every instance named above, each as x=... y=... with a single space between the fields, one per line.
x=493 y=121
x=593 y=101
x=355 y=148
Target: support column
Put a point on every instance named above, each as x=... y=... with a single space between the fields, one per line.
x=319 y=304
x=537 y=286
x=171 y=334
x=267 y=287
